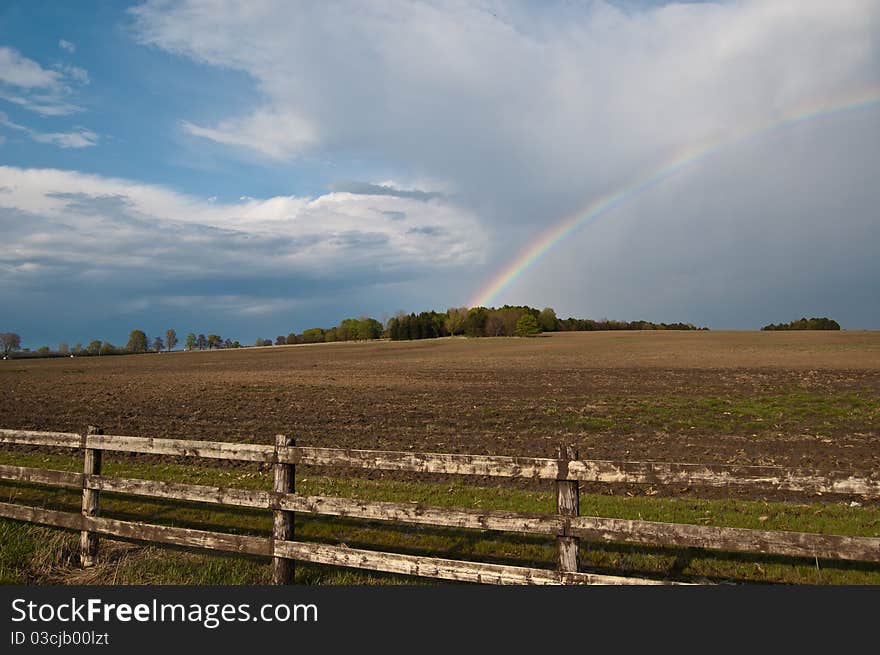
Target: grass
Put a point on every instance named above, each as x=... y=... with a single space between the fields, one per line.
x=47 y=555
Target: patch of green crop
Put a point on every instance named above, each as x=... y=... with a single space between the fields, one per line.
x=796 y=411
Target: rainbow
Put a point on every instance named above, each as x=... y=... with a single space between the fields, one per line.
x=684 y=160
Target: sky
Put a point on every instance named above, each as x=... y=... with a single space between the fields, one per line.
x=253 y=169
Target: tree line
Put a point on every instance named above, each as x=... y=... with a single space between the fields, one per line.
x=364 y=328
x=823 y=323
x=506 y=321
x=138 y=342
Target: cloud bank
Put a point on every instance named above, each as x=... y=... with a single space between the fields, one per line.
x=527 y=111
x=141 y=247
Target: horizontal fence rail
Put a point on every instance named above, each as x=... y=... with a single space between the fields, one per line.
x=566 y=525
x=601 y=471
x=432 y=567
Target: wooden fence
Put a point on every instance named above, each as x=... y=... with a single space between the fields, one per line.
x=566 y=471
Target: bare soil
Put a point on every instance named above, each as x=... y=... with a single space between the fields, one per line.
x=805 y=399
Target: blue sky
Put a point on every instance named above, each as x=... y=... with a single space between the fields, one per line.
x=254 y=169
x=134 y=100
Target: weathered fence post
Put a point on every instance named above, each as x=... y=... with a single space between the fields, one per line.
x=88 y=541
x=567 y=504
x=282 y=528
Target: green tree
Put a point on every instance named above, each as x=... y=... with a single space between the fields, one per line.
x=348 y=330
x=215 y=341
x=455 y=320
x=475 y=322
x=313 y=335
x=158 y=344
x=815 y=323
x=547 y=320
x=94 y=347
x=190 y=343
x=170 y=339
x=137 y=342
x=527 y=326
x=63 y=348
x=369 y=328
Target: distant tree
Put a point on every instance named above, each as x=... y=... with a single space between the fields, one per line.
x=214 y=341
x=814 y=323
x=280 y=340
x=158 y=344
x=348 y=330
x=94 y=347
x=509 y=316
x=398 y=327
x=227 y=343
x=191 y=341
x=107 y=348
x=494 y=326
x=77 y=348
x=547 y=320
x=455 y=320
x=137 y=342
x=236 y=344
x=170 y=339
x=527 y=326
x=43 y=350
x=202 y=342
x=369 y=328
x=313 y=335
x=63 y=348
x=476 y=321
x=9 y=343
x=263 y=342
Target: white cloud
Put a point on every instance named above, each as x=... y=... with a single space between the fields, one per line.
x=42 y=104
x=25 y=73
x=275 y=134
x=103 y=225
x=79 y=138
x=493 y=98
x=75 y=73
x=66 y=45
x=26 y=83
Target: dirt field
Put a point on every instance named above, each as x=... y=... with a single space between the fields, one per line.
x=809 y=399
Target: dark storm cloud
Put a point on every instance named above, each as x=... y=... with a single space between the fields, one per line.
x=538 y=109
